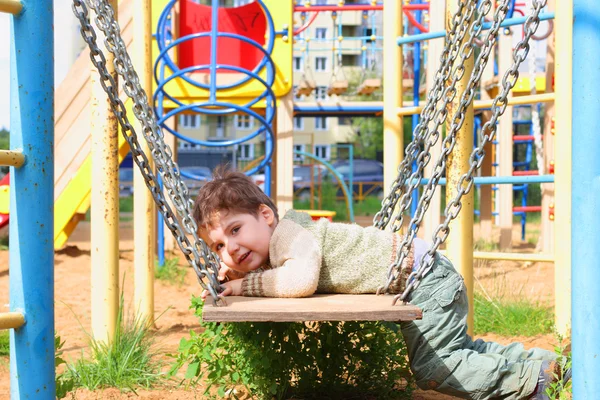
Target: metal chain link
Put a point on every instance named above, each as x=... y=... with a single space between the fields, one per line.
x=440 y=115
x=198 y=254
x=489 y=129
x=459 y=27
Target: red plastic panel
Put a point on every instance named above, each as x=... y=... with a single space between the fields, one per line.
x=248 y=20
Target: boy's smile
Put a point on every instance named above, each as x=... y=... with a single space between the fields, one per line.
x=240 y=239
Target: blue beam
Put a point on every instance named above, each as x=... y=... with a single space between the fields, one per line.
x=32 y=201
x=487 y=25
x=333 y=110
x=585 y=250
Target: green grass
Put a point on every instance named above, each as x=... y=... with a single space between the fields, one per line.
x=4 y=243
x=171 y=272
x=4 y=346
x=511 y=317
x=128 y=362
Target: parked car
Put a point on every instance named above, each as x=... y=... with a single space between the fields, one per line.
x=194 y=178
x=301 y=177
x=367 y=177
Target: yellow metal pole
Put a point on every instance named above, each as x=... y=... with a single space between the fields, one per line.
x=479 y=104
x=105 y=206
x=393 y=143
x=11 y=158
x=460 y=239
x=562 y=176
x=11 y=320
x=11 y=6
x=144 y=214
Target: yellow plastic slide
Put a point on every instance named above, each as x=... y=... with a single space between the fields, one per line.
x=73 y=166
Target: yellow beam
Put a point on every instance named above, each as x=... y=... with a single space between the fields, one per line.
x=393 y=143
x=479 y=104
x=105 y=207
x=143 y=205
x=562 y=158
x=11 y=320
x=497 y=256
x=11 y=6
x=11 y=158
x=460 y=240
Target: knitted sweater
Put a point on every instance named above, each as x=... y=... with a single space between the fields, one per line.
x=323 y=257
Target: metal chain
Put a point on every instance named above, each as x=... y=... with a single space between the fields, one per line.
x=489 y=129
x=198 y=254
x=440 y=115
x=433 y=133
x=453 y=39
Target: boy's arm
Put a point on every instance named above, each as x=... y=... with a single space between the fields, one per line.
x=296 y=257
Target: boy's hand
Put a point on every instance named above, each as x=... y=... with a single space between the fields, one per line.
x=232 y=288
x=226 y=273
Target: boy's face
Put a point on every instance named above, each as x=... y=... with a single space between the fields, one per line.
x=241 y=240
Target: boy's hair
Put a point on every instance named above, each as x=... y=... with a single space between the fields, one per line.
x=229 y=191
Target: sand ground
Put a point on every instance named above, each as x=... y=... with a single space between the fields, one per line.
x=72 y=305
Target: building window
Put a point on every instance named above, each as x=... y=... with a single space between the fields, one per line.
x=299 y=147
x=350 y=60
x=345 y=121
x=321 y=64
x=368 y=32
x=189 y=121
x=321 y=33
x=298 y=64
x=323 y=151
x=321 y=123
x=246 y=151
x=298 y=123
x=321 y=93
x=244 y=122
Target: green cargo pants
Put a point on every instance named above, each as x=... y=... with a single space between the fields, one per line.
x=444 y=358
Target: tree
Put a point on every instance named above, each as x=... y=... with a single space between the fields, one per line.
x=4 y=139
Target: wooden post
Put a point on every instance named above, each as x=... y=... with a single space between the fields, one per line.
x=434 y=51
x=563 y=184
x=105 y=205
x=144 y=214
x=284 y=171
x=505 y=149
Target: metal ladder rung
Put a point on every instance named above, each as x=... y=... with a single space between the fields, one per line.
x=11 y=320
x=11 y=158
x=11 y=6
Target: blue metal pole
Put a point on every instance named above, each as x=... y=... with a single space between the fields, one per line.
x=585 y=251
x=415 y=117
x=213 y=50
x=32 y=202
x=486 y=25
x=502 y=180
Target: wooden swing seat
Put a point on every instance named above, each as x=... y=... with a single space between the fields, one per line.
x=306 y=87
x=322 y=307
x=337 y=88
x=369 y=86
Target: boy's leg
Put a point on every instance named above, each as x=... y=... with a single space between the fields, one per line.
x=444 y=358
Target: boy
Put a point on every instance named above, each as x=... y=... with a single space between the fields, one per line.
x=263 y=255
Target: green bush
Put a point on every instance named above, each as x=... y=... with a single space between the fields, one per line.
x=4 y=343
x=297 y=360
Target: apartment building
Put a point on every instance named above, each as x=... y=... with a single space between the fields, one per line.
x=314 y=58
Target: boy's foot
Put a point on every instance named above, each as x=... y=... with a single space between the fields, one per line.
x=550 y=373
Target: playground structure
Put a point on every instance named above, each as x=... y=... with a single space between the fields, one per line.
x=31 y=315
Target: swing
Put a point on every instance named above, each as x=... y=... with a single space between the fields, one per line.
x=368 y=85
x=337 y=86
x=321 y=307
